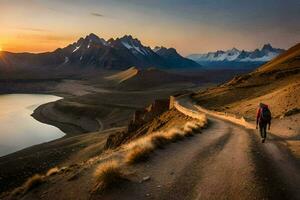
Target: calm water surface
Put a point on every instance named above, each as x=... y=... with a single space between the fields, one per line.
x=18 y=129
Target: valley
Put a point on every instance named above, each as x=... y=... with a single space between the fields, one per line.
x=170 y=114
x=94 y=105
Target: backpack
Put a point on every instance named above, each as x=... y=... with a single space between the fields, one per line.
x=265 y=114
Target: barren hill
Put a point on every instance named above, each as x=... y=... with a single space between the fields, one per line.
x=123 y=75
x=140 y=79
x=287 y=60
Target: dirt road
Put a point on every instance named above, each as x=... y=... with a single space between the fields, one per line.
x=226 y=161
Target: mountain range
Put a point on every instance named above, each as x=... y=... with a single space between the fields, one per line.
x=237 y=57
x=93 y=51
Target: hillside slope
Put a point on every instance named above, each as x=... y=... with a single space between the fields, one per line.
x=287 y=60
x=276 y=83
x=140 y=79
x=123 y=75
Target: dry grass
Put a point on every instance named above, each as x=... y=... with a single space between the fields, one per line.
x=53 y=171
x=140 y=149
x=193 y=127
x=174 y=135
x=139 y=153
x=159 y=140
x=33 y=182
x=138 y=142
x=108 y=175
x=36 y=180
x=30 y=184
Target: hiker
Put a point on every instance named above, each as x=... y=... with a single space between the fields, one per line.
x=263 y=118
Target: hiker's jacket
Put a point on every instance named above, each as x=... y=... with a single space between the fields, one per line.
x=259 y=116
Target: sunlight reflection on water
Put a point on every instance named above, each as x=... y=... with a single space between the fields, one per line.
x=18 y=129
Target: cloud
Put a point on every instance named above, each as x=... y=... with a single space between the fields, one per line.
x=44 y=37
x=95 y=14
x=32 y=29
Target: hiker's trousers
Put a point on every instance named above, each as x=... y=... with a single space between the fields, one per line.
x=263 y=130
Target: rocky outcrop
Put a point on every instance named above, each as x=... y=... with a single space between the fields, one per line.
x=138 y=124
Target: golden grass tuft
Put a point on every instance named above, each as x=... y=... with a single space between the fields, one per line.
x=37 y=180
x=188 y=129
x=33 y=182
x=174 y=135
x=53 y=171
x=145 y=140
x=140 y=149
x=108 y=175
x=30 y=184
x=139 y=153
x=159 y=140
x=193 y=127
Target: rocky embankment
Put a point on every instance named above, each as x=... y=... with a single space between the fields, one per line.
x=141 y=123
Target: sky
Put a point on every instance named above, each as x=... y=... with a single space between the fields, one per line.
x=190 y=26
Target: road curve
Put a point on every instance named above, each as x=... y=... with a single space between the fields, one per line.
x=273 y=154
x=226 y=161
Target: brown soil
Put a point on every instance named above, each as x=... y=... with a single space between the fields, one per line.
x=226 y=161
x=17 y=167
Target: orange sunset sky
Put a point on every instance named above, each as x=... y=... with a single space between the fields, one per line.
x=190 y=26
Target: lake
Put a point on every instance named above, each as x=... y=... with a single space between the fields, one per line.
x=18 y=129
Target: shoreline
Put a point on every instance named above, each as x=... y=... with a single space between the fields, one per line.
x=70 y=129
x=16 y=167
x=44 y=114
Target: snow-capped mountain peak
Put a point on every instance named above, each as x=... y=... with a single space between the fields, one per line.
x=134 y=45
x=118 y=53
x=88 y=42
x=232 y=54
x=233 y=51
x=267 y=47
x=76 y=48
x=94 y=39
x=266 y=53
